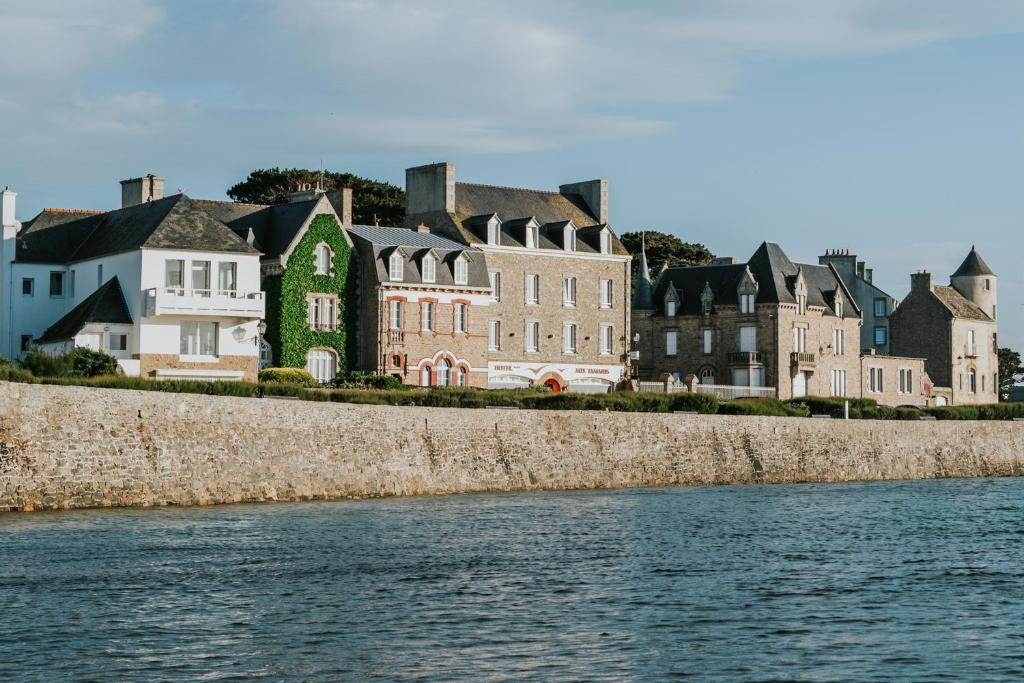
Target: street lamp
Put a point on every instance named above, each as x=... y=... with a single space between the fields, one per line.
x=261 y=329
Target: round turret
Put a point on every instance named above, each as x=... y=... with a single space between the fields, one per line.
x=976 y=282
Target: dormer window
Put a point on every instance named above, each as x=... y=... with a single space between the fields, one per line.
x=746 y=303
x=707 y=299
x=569 y=237
x=461 y=270
x=670 y=308
x=323 y=258
x=606 y=241
x=395 y=267
x=429 y=268
x=493 y=230
x=839 y=307
x=532 y=236
x=801 y=304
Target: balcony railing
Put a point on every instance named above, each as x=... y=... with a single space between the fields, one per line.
x=725 y=392
x=396 y=336
x=745 y=357
x=802 y=359
x=222 y=302
x=325 y=327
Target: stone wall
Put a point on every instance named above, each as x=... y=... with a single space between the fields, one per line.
x=69 y=447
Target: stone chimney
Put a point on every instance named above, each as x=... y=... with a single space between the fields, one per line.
x=922 y=282
x=423 y=228
x=341 y=200
x=148 y=188
x=430 y=188
x=723 y=261
x=595 y=195
x=7 y=206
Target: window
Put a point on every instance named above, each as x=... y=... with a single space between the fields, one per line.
x=838 y=384
x=201 y=277
x=494 y=335
x=395 y=267
x=881 y=308
x=607 y=293
x=988 y=284
x=425 y=376
x=606 y=333
x=569 y=291
x=26 y=342
x=748 y=339
x=117 y=342
x=427 y=316
x=670 y=308
x=707 y=376
x=838 y=342
x=747 y=377
x=972 y=381
x=444 y=373
x=799 y=339
x=671 y=342
x=461 y=318
x=495 y=277
x=56 y=283
x=801 y=304
x=569 y=237
x=323 y=259
x=906 y=383
x=492 y=231
x=322 y=364
x=266 y=354
x=569 y=338
x=429 y=266
x=532 y=336
x=839 y=307
x=71 y=285
x=227 y=278
x=461 y=375
x=174 y=274
x=28 y=286
x=875 y=380
x=606 y=242
x=970 y=343
x=198 y=338
x=99 y=275
x=323 y=312
x=708 y=340
x=881 y=336
x=533 y=288
x=746 y=303
x=531 y=237
x=396 y=315
x=461 y=270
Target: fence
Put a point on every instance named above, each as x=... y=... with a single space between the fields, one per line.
x=726 y=392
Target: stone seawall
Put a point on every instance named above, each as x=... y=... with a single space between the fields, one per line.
x=72 y=447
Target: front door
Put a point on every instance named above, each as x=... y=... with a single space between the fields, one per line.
x=800 y=385
x=553 y=385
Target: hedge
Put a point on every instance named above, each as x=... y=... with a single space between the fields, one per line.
x=772 y=407
x=287 y=375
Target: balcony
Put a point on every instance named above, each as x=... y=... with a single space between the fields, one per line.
x=396 y=337
x=745 y=357
x=802 y=360
x=214 y=302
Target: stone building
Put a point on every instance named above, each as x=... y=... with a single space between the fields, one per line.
x=423 y=307
x=895 y=380
x=875 y=305
x=954 y=329
x=765 y=323
x=160 y=284
x=558 y=313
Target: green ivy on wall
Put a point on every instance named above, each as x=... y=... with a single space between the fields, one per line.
x=287 y=306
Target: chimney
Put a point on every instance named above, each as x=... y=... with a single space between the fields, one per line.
x=7 y=205
x=422 y=227
x=922 y=282
x=148 y=188
x=595 y=196
x=869 y=275
x=723 y=260
x=430 y=188
x=341 y=200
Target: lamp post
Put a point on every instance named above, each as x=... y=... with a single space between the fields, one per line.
x=261 y=329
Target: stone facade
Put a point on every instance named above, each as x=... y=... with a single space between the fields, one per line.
x=74 y=447
x=895 y=381
x=149 y=363
x=875 y=305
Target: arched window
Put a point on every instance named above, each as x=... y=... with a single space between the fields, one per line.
x=323 y=259
x=462 y=376
x=444 y=374
x=707 y=376
x=429 y=268
x=425 y=376
x=322 y=364
x=266 y=354
x=972 y=381
x=395 y=267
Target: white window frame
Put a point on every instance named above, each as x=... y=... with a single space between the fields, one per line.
x=429 y=266
x=532 y=336
x=428 y=316
x=799 y=339
x=670 y=308
x=707 y=341
x=494 y=335
x=569 y=291
x=171 y=282
x=747 y=303
x=227 y=278
x=971 y=343
x=876 y=379
x=838 y=383
x=443 y=373
x=322 y=259
x=495 y=279
x=322 y=363
x=396 y=314
x=569 y=338
x=801 y=304
x=120 y=337
x=906 y=381
x=395 y=267
x=839 y=307
x=606 y=242
x=606 y=335
x=322 y=312
x=838 y=341
x=461 y=270
x=607 y=293
x=747 y=339
x=461 y=318
x=197 y=350
x=532 y=289
x=493 y=231
x=671 y=343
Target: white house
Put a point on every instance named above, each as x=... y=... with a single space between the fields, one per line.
x=159 y=283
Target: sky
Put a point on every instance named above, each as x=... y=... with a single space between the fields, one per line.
x=892 y=128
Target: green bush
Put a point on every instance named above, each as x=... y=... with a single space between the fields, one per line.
x=88 y=363
x=44 y=365
x=700 y=403
x=1001 y=411
x=367 y=380
x=244 y=389
x=4 y=362
x=10 y=373
x=771 y=407
x=954 y=412
x=833 y=406
x=287 y=375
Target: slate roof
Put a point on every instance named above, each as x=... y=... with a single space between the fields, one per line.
x=958 y=305
x=106 y=305
x=643 y=293
x=273 y=226
x=774 y=272
x=377 y=243
x=474 y=204
x=973 y=265
x=175 y=222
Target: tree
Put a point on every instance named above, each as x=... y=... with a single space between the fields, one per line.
x=371 y=199
x=1010 y=368
x=663 y=248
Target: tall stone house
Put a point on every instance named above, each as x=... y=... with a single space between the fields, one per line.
x=308 y=273
x=875 y=304
x=954 y=329
x=423 y=307
x=767 y=322
x=559 y=278
x=164 y=287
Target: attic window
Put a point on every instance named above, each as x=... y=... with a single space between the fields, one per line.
x=801 y=304
x=839 y=307
x=492 y=231
x=395 y=267
x=670 y=308
x=323 y=259
x=531 y=237
x=461 y=270
x=429 y=268
x=606 y=242
x=569 y=237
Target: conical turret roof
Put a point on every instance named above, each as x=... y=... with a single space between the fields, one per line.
x=973 y=265
x=643 y=294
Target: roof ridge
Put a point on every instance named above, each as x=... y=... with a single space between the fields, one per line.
x=509 y=187
x=92 y=212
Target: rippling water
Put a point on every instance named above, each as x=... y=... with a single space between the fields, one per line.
x=851 y=582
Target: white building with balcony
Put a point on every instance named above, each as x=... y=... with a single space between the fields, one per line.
x=167 y=289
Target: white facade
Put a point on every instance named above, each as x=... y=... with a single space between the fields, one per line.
x=581 y=378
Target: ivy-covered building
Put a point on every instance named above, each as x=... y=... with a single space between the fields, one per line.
x=308 y=276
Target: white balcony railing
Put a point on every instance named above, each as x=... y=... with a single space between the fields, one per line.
x=225 y=302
